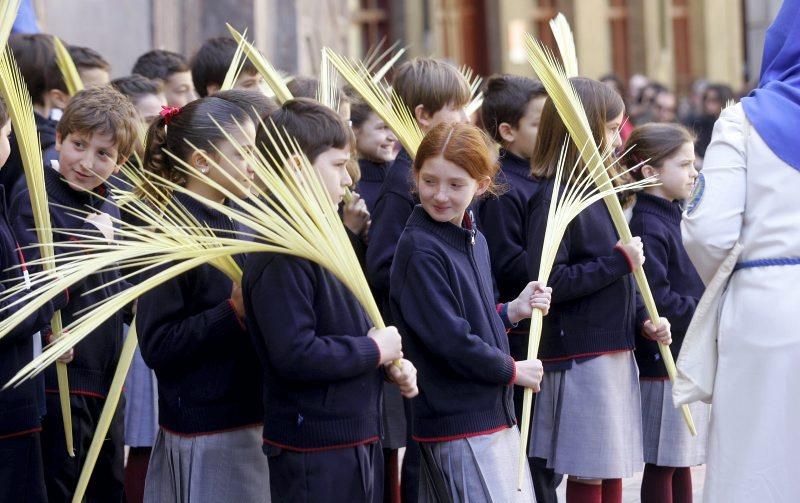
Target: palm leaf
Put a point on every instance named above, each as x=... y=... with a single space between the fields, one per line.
x=272 y=77
x=476 y=95
x=67 y=67
x=8 y=14
x=566 y=44
x=237 y=63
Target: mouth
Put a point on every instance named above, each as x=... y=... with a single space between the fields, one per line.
x=440 y=209
x=81 y=175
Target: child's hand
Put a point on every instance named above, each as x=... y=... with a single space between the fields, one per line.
x=533 y=296
x=529 y=374
x=103 y=223
x=355 y=215
x=634 y=249
x=662 y=334
x=389 y=343
x=405 y=377
x=237 y=300
x=67 y=356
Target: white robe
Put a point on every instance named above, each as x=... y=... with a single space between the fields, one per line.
x=753 y=197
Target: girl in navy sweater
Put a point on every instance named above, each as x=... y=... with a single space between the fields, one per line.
x=375 y=144
x=587 y=421
x=442 y=299
x=192 y=333
x=669 y=449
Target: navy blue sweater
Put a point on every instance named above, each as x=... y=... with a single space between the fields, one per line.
x=372 y=176
x=321 y=374
x=96 y=356
x=392 y=208
x=675 y=284
x=19 y=407
x=199 y=349
x=595 y=306
x=12 y=171
x=442 y=302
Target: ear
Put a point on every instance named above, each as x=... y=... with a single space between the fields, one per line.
x=58 y=141
x=648 y=171
x=57 y=98
x=199 y=160
x=422 y=116
x=507 y=132
x=483 y=186
x=212 y=89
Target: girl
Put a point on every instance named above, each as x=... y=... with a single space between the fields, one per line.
x=669 y=449
x=442 y=301
x=587 y=420
x=375 y=144
x=192 y=333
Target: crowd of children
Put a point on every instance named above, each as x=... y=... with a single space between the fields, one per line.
x=278 y=388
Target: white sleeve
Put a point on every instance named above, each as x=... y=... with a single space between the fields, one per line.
x=713 y=218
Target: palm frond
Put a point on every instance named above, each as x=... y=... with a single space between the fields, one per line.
x=381 y=72
x=8 y=14
x=272 y=77
x=72 y=78
x=328 y=90
x=476 y=95
x=566 y=44
x=237 y=63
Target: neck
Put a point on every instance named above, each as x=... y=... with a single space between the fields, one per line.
x=517 y=152
x=658 y=191
x=42 y=110
x=205 y=190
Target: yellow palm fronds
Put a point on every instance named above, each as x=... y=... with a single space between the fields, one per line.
x=387 y=105
x=328 y=90
x=566 y=44
x=8 y=13
x=67 y=67
x=374 y=57
x=237 y=63
x=271 y=75
x=20 y=109
x=569 y=108
x=476 y=95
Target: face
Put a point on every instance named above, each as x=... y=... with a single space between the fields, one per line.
x=179 y=89
x=450 y=113
x=5 y=147
x=233 y=163
x=94 y=77
x=149 y=106
x=86 y=160
x=524 y=135
x=250 y=82
x=374 y=140
x=332 y=168
x=676 y=174
x=446 y=190
x=665 y=107
x=612 y=132
x=712 y=103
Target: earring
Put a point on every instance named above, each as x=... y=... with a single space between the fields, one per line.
x=204 y=170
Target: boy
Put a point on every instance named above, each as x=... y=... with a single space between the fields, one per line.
x=323 y=367
x=512 y=107
x=94 y=137
x=211 y=63
x=146 y=95
x=172 y=70
x=92 y=68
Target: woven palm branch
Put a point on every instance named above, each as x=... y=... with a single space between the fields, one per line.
x=237 y=63
x=72 y=78
x=476 y=95
x=272 y=77
x=20 y=109
x=569 y=108
x=387 y=105
x=566 y=44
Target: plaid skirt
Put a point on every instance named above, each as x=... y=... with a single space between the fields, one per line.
x=588 y=419
x=667 y=441
x=473 y=470
x=227 y=466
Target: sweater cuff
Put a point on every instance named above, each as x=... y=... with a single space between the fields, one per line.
x=627 y=257
x=223 y=317
x=514 y=375
x=502 y=310
x=369 y=352
x=508 y=372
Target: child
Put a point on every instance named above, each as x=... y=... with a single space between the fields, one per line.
x=172 y=70
x=96 y=134
x=502 y=218
x=669 y=449
x=192 y=333
x=323 y=367
x=210 y=65
x=587 y=421
x=375 y=144
x=441 y=297
x=21 y=469
x=92 y=68
x=146 y=95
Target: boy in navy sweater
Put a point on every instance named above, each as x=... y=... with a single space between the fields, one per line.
x=211 y=63
x=323 y=367
x=94 y=137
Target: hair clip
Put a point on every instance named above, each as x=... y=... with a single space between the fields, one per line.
x=168 y=113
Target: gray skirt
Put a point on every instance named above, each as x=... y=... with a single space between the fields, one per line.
x=588 y=420
x=141 y=404
x=475 y=469
x=227 y=466
x=667 y=441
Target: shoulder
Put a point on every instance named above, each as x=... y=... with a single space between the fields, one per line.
x=730 y=128
x=259 y=263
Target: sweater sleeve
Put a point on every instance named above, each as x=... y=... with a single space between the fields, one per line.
x=431 y=311
x=502 y=222
x=285 y=324
x=388 y=221
x=168 y=335
x=30 y=325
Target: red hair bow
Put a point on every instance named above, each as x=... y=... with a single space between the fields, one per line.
x=168 y=113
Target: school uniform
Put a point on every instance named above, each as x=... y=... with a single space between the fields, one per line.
x=677 y=289
x=209 y=412
x=372 y=176
x=322 y=382
x=92 y=369
x=587 y=420
x=463 y=418
x=12 y=172
x=22 y=407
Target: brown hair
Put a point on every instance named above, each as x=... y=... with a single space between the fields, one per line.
x=431 y=83
x=85 y=58
x=505 y=99
x=3 y=113
x=36 y=58
x=465 y=145
x=656 y=142
x=102 y=110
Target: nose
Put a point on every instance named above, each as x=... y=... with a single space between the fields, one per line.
x=87 y=161
x=441 y=195
x=347 y=180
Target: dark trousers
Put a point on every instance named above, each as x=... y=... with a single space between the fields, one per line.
x=349 y=474
x=61 y=472
x=409 y=477
x=21 y=470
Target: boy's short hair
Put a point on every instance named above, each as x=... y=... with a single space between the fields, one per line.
x=316 y=127
x=85 y=58
x=432 y=83
x=303 y=87
x=211 y=63
x=3 y=112
x=160 y=64
x=102 y=110
x=505 y=98
x=258 y=106
x=36 y=58
x=136 y=86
